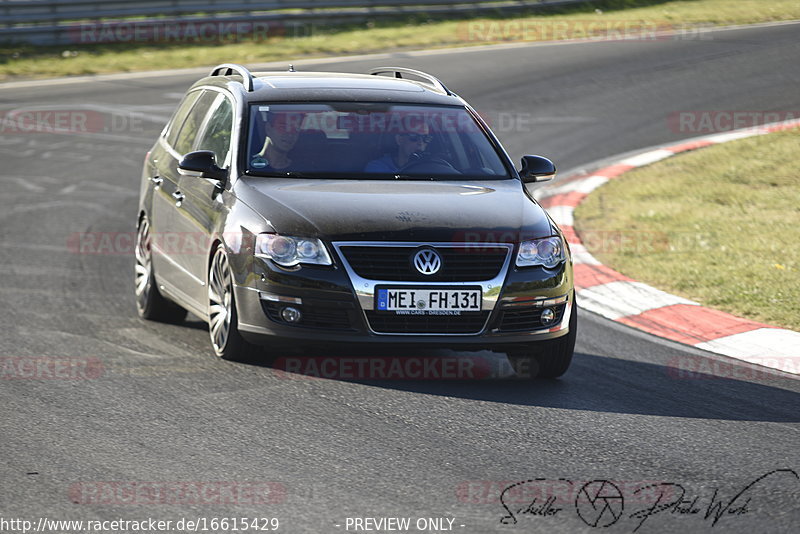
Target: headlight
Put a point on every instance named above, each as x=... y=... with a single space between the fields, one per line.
x=289 y=251
x=547 y=252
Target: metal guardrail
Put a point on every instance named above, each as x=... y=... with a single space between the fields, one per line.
x=65 y=22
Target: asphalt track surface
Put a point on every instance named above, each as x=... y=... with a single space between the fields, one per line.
x=163 y=409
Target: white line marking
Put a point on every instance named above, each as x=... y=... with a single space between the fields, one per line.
x=590 y=184
x=562 y=215
x=770 y=347
x=581 y=255
x=32 y=246
x=60 y=204
x=36 y=270
x=732 y=136
x=26 y=184
x=587 y=185
x=648 y=157
x=621 y=299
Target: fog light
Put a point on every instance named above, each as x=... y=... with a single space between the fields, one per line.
x=291 y=314
x=548 y=316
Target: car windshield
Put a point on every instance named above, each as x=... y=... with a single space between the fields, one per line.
x=370 y=141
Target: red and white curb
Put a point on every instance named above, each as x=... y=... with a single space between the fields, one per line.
x=615 y=296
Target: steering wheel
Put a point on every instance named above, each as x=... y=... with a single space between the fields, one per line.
x=428 y=163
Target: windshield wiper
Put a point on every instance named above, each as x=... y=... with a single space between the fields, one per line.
x=413 y=177
x=287 y=174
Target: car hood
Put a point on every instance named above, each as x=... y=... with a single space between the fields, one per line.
x=382 y=210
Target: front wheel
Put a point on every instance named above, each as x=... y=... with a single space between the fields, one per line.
x=223 y=321
x=557 y=356
x=550 y=359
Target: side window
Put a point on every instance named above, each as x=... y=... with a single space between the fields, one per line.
x=175 y=123
x=191 y=126
x=217 y=133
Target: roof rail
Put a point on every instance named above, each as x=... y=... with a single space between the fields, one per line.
x=226 y=69
x=399 y=71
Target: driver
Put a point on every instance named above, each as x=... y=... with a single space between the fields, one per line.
x=411 y=141
x=282 y=130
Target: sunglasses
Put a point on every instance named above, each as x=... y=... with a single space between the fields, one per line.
x=416 y=137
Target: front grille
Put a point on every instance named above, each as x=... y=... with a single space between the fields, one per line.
x=389 y=323
x=527 y=319
x=314 y=316
x=470 y=263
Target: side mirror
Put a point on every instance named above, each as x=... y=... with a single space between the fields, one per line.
x=537 y=169
x=202 y=164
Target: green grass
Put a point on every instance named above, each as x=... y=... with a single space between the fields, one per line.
x=382 y=35
x=720 y=226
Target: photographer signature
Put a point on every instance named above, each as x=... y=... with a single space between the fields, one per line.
x=601 y=503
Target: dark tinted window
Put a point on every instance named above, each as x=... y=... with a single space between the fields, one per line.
x=370 y=141
x=217 y=133
x=191 y=126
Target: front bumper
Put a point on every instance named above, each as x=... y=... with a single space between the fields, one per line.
x=337 y=308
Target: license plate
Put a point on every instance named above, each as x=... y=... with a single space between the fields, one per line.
x=424 y=301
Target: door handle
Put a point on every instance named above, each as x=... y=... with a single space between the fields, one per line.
x=179 y=197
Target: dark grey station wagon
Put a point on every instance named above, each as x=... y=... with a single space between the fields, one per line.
x=307 y=209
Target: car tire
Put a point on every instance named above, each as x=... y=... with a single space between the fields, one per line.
x=557 y=356
x=223 y=319
x=150 y=303
x=550 y=359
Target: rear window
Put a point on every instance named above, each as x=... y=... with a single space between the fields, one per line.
x=370 y=141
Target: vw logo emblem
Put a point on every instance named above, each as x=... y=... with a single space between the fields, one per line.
x=427 y=261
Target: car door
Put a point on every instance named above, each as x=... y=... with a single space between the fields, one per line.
x=203 y=206
x=165 y=185
x=176 y=245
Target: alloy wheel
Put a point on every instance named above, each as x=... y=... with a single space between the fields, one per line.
x=144 y=266
x=220 y=300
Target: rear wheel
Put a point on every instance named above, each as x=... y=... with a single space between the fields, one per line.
x=150 y=304
x=223 y=321
x=550 y=359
